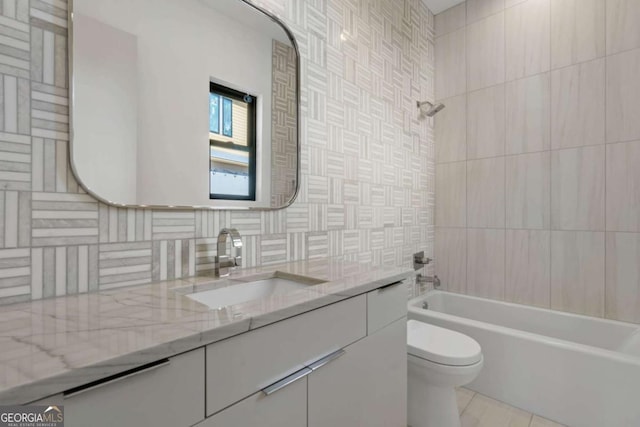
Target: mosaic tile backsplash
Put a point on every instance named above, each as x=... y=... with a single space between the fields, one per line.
x=367 y=190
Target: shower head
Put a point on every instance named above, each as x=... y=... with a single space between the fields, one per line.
x=431 y=108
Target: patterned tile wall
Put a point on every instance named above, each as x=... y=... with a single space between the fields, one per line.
x=367 y=190
x=538 y=149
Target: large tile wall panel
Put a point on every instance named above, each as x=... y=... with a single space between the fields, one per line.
x=528 y=191
x=577 y=272
x=623 y=186
x=485 y=52
x=528 y=121
x=623 y=92
x=577 y=31
x=451 y=130
x=577 y=119
x=486 y=263
x=552 y=186
x=623 y=277
x=485 y=123
x=578 y=187
x=367 y=161
x=528 y=267
x=477 y=9
x=451 y=19
x=527 y=39
x=450 y=57
x=623 y=32
x=486 y=193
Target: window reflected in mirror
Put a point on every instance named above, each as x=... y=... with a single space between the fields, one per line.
x=232 y=144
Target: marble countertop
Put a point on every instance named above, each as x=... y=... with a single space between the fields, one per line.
x=48 y=346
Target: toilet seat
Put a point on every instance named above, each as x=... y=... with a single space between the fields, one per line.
x=441 y=345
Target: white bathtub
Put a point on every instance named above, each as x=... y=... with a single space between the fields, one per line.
x=576 y=370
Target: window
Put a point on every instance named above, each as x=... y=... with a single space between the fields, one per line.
x=232 y=144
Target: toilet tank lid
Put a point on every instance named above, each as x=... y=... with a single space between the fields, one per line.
x=441 y=345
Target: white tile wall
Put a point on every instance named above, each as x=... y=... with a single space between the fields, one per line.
x=477 y=9
x=528 y=267
x=623 y=32
x=578 y=272
x=623 y=186
x=485 y=122
x=577 y=195
x=486 y=262
x=451 y=190
x=528 y=191
x=577 y=31
x=577 y=109
x=451 y=128
x=623 y=276
x=527 y=33
x=623 y=92
x=451 y=60
x=528 y=121
x=367 y=187
x=486 y=193
x=485 y=52
x=552 y=178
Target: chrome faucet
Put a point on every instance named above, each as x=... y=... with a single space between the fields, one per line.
x=223 y=261
x=422 y=280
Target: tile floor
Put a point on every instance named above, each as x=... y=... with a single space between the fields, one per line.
x=477 y=410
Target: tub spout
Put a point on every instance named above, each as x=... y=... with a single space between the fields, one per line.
x=422 y=280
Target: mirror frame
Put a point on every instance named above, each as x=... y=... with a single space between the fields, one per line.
x=96 y=196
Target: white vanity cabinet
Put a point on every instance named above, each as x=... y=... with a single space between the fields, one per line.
x=285 y=408
x=343 y=364
x=367 y=385
x=165 y=394
x=349 y=358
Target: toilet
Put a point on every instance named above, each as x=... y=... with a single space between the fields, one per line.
x=439 y=360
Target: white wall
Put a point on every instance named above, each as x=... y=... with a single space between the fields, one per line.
x=181 y=47
x=105 y=113
x=537 y=178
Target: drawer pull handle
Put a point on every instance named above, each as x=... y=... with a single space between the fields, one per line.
x=327 y=359
x=286 y=381
x=115 y=378
x=389 y=286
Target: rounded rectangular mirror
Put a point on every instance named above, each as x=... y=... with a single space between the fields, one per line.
x=190 y=103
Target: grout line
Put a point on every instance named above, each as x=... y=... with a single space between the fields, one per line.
x=473 y=396
x=606 y=59
x=504 y=160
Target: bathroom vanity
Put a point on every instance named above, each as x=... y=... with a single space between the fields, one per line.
x=332 y=353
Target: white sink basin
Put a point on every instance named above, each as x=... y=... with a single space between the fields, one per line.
x=243 y=292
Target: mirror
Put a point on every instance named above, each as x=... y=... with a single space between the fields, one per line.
x=190 y=103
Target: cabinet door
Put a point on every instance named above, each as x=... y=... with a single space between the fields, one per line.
x=367 y=386
x=285 y=408
x=170 y=395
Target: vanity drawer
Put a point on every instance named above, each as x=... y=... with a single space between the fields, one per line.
x=242 y=365
x=386 y=305
x=167 y=394
x=286 y=408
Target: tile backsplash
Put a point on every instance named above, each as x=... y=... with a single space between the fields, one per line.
x=367 y=190
x=538 y=185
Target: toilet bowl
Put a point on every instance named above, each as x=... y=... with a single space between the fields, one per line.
x=439 y=360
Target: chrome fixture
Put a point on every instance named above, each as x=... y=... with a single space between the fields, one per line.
x=432 y=109
x=423 y=280
x=419 y=260
x=224 y=261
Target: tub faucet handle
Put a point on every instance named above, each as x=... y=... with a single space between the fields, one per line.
x=419 y=260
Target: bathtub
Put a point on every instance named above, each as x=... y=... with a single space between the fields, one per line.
x=577 y=370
